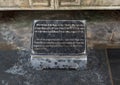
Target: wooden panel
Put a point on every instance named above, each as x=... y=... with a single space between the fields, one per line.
x=14 y=3
x=42 y=4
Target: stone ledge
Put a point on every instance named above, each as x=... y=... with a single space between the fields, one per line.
x=59 y=4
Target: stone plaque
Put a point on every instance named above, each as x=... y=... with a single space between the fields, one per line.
x=59 y=39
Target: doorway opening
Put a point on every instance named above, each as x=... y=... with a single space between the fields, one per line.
x=114 y=59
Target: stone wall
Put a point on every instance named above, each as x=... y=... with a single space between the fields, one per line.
x=103 y=27
x=58 y=4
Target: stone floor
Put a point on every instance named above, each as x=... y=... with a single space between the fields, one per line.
x=16 y=69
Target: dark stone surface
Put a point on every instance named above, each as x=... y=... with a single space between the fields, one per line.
x=20 y=72
x=114 y=58
x=15 y=32
x=16 y=26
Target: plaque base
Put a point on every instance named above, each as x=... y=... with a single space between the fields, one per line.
x=59 y=62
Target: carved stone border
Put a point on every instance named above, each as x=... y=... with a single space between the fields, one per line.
x=42 y=5
x=14 y=4
x=76 y=2
x=76 y=5
x=59 y=4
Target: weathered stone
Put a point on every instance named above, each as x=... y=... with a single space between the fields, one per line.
x=102 y=27
x=59 y=40
x=14 y=3
x=16 y=68
x=58 y=4
x=106 y=33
